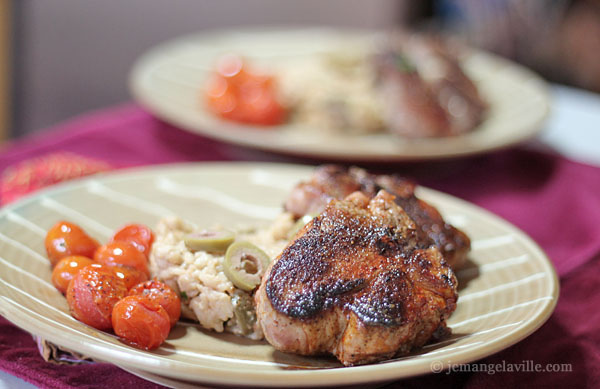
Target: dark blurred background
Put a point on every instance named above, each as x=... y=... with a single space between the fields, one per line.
x=61 y=58
x=560 y=39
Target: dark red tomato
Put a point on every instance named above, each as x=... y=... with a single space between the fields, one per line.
x=122 y=253
x=66 y=269
x=92 y=294
x=65 y=239
x=130 y=275
x=140 y=322
x=138 y=234
x=237 y=94
x=162 y=294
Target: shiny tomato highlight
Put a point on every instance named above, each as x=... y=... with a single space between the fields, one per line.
x=65 y=239
x=92 y=294
x=163 y=295
x=66 y=269
x=138 y=234
x=121 y=253
x=140 y=322
x=130 y=275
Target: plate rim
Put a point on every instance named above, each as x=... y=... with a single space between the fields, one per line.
x=281 y=378
x=144 y=64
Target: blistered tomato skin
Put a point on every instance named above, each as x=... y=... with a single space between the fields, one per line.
x=140 y=322
x=122 y=253
x=141 y=236
x=92 y=294
x=65 y=239
x=131 y=276
x=162 y=294
x=66 y=269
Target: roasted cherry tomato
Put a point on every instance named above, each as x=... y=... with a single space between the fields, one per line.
x=65 y=239
x=122 y=253
x=92 y=293
x=237 y=94
x=140 y=322
x=66 y=269
x=130 y=275
x=162 y=294
x=138 y=234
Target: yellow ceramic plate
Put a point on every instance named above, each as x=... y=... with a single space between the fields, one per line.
x=169 y=81
x=507 y=291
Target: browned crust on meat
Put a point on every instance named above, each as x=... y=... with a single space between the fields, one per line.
x=357 y=281
x=336 y=182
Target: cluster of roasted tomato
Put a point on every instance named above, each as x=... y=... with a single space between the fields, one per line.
x=108 y=287
x=237 y=93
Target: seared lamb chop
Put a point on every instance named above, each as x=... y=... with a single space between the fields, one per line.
x=357 y=282
x=336 y=182
x=411 y=106
x=427 y=93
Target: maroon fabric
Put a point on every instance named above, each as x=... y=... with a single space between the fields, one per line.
x=36 y=173
x=554 y=200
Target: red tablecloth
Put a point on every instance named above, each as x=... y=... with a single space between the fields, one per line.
x=554 y=200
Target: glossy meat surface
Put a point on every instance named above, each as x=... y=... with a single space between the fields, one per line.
x=427 y=93
x=357 y=282
x=439 y=67
x=412 y=108
x=336 y=182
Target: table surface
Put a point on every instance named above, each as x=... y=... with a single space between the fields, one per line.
x=573 y=131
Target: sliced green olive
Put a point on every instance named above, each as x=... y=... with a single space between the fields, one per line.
x=245 y=264
x=301 y=223
x=209 y=240
x=244 y=312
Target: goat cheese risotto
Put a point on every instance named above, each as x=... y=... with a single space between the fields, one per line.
x=202 y=274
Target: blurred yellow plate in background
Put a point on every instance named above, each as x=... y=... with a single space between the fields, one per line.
x=170 y=78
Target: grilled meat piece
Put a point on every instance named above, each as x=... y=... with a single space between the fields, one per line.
x=357 y=282
x=427 y=93
x=439 y=67
x=327 y=182
x=411 y=107
x=336 y=182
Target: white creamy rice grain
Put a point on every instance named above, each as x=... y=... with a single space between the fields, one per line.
x=198 y=276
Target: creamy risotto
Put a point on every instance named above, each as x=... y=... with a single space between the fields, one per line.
x=208 y=295
x=334 y=93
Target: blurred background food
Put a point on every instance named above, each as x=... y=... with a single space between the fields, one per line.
x=341 y=93
x=404 y=83
x=60 y=58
